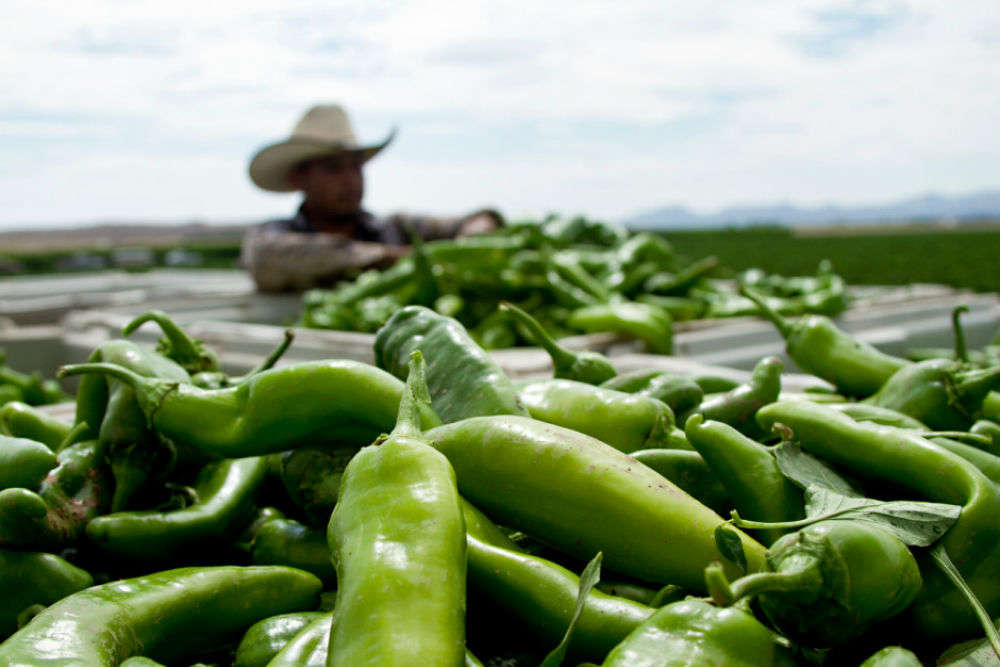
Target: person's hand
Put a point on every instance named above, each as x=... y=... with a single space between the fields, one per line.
x=480 y=222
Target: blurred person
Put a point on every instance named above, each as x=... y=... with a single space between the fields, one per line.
x=332 y=235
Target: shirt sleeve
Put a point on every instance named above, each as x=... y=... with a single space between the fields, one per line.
x=281 y=260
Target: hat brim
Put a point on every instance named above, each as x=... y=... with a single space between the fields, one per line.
x=269 y=167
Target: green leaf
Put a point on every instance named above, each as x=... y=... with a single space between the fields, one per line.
x=805 y=470
x=943 y=561
x=591 y=575
x=729 y=544
x=914 y=523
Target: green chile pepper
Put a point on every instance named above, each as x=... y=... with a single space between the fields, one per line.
x=585 y=366
x=21 y=420
x=313 y=402
x=915 y=463
x=693 y=633
x=463 y=379
x=310 y=647
x=675 y=284
x=678 y=391
x=32 y=389
x=225 y=492
x=219 y=380
x=28 y=578
x=688 y=470
x=831 y=581
x=649 y=323
x=990 y=429
x=738 y=406
x=141 y=661
x=55 y=515
x=749 y=473
x=24 y=462
x=680 y=308
x=945 y=395
x=200 y=606
x=583 y=496
x=10 y=394
x=715 y=384
x=266 y=638
x=892 y=656
x=397 y=539
x=627 y=422
x=817 y=346
x=863 y=412
x=542 y=593
x=287 y=542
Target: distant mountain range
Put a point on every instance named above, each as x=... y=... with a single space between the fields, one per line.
x=925 y=208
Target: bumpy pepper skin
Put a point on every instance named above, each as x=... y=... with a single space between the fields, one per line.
x=627 y=422
x=678 y=391
x=693 y=633
x=688 y=470
x=266 y=638
x=832 y=580
x=397 y=539
x=21 y=420
x=168 y=616
x=649 y=323
x=225 y=491
x=945 y=395
x=330 y=402
x=817 y=346
x=463 y=379
x=24 y=462
x=892 y=656
x=583 y=496
x=28 y=578
x=55 y=514
x=288 y=542
x=738 y=406
x=915 y=463
x=748 y=472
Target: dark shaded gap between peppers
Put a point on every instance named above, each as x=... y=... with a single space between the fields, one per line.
x=106 y=624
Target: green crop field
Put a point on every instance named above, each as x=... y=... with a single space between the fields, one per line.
x=960 y=258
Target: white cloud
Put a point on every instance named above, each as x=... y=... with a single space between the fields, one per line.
x=150 y=109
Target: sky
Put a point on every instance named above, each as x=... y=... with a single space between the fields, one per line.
x=149 y=111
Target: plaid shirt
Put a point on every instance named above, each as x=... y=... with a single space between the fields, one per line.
x=291 y=254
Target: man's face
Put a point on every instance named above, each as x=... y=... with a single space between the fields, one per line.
x=333 y=185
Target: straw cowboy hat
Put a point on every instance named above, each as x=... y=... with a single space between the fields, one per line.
x=324 y=130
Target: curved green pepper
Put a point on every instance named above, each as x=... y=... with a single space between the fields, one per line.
x=693 y=633
x=225 y=492
x=831 y=581
x=915 y=463
x=680 y=392
x=945 y=395
x=625 y=421
x=688 y=470
x=463 y=379
x=21 y=420
x=586 y=366
x=651 y=324
x=738 y=406
x=313 y=402
x=287 y=542
x=748 y=472
x=892 y=656
x=266 y=638
x=103 y=625
x=24 y=462
x=28 y=578
x=397 y=539
x=583 y=496
x=990 y=429
x=817 y=346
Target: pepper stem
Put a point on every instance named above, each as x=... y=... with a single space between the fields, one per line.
x=961 y=351
x=177 y=343
x=803 y=575
x=562 y=359
x=73 y=436
x=940 y=557
x=121 y=373
x=781 y=322
x=415 y=394
x=976 y=382
x=271 y=359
